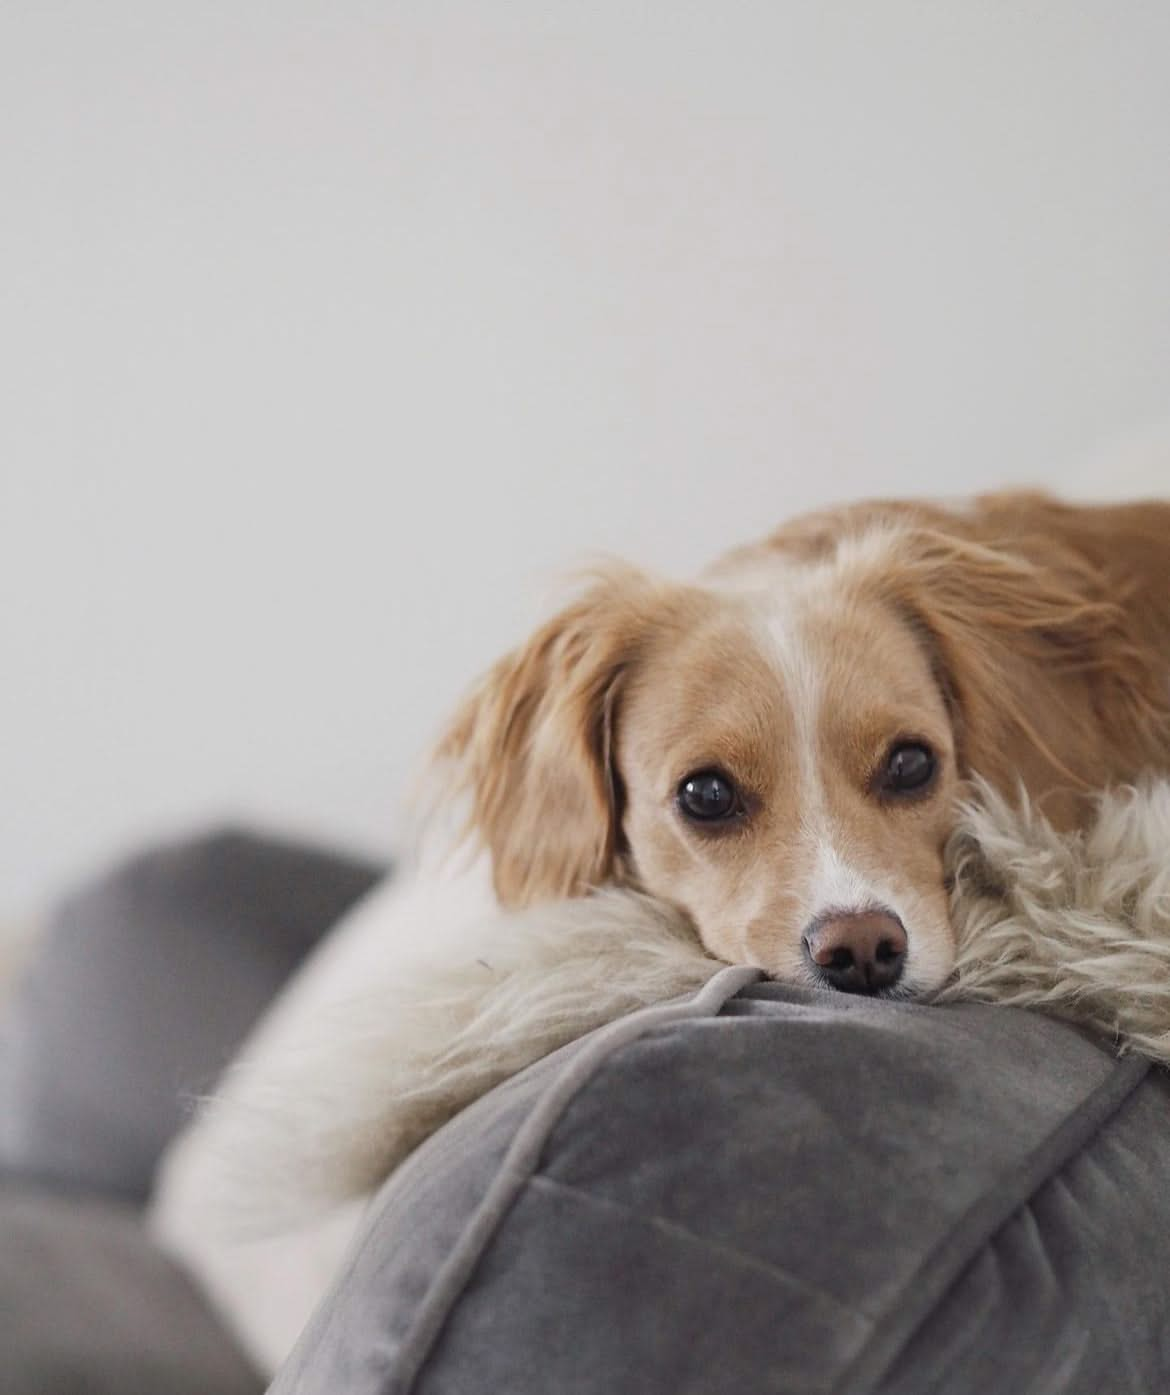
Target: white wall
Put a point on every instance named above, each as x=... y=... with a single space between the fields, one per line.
x=332 y=332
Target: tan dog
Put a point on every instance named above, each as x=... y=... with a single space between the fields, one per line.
x=777 y=749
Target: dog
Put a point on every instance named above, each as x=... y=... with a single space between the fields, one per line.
x=764 y=766
x=777 y=750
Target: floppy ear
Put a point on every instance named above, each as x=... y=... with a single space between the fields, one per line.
x=1041 y=671
x=531 y=746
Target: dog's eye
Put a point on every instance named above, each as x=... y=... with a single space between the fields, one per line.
x=708 y=795
x=909 y=767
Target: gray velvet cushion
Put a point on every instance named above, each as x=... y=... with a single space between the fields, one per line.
x=145 y=983
x=88 y=1306
x=773 y=1190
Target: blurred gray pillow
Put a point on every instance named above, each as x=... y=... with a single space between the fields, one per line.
x=146 y=981
x=88 y=1306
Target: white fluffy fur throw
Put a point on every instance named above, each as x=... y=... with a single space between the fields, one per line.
x=418 y=1003
x=1077 y=925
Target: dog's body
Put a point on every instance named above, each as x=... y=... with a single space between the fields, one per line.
x=761 y=767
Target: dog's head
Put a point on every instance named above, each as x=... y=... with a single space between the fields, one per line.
x=779 y=751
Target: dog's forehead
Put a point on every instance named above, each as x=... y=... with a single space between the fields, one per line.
x=808 y=657
x=824 y=621
x=715 y=672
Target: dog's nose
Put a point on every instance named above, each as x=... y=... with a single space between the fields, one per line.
x=858 y=951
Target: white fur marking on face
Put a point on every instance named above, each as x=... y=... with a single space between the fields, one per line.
x=798 y=671
x=834 y=884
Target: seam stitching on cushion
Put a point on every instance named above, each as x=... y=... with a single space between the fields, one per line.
x=924 y=1289
x=326 y=1315
x=542 y=1181
x=523 y=1155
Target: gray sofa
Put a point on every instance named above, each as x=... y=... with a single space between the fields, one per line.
x=757 y=1190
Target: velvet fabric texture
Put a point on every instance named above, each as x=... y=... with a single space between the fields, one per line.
x=784 y=1191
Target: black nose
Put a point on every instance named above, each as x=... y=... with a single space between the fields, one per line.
x=858 y=951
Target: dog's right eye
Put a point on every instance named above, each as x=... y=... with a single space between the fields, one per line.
x=708 y=796
x=909 y=768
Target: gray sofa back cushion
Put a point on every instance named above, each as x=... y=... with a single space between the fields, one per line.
x=776 y=1191
x=146 y=982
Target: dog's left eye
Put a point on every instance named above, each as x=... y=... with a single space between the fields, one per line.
x=708 y=796
x=909 y=767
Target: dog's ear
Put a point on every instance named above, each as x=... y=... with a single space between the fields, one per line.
x=531 y=748
x=1042 y=673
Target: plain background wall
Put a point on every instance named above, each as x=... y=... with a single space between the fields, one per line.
x=333 y=333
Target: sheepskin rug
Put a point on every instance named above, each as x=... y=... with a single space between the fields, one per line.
x=1077 y=925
